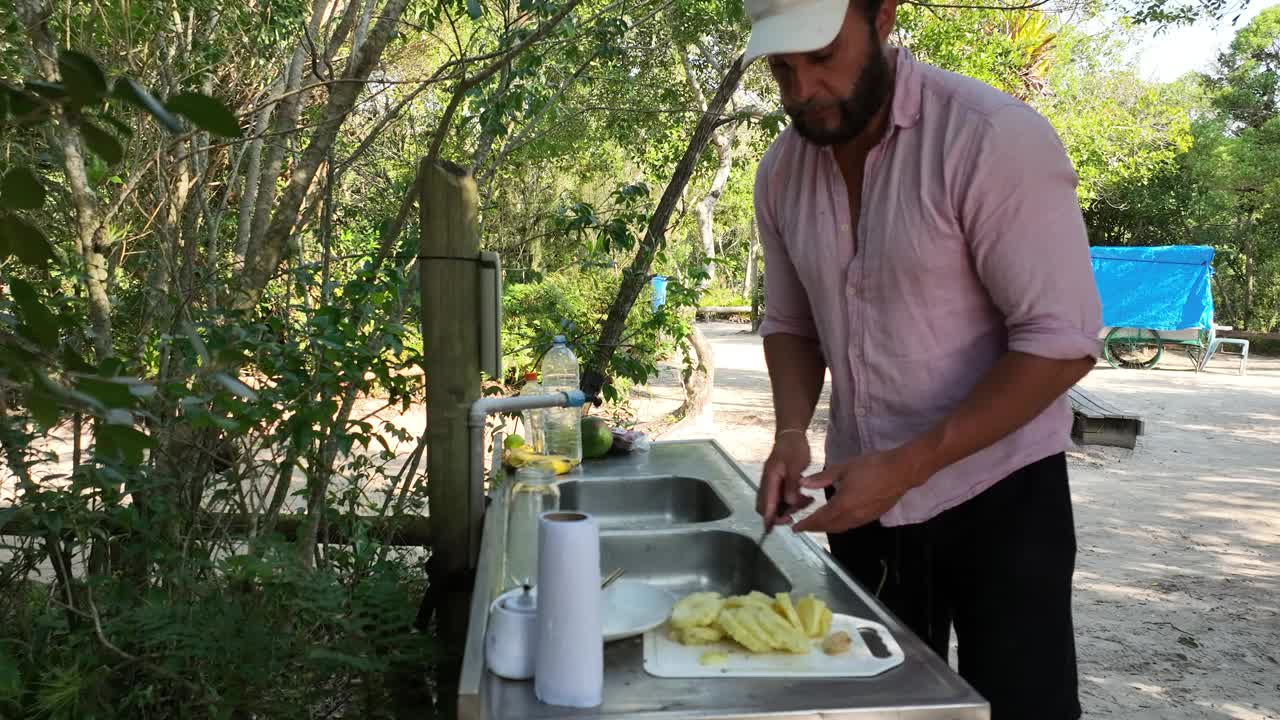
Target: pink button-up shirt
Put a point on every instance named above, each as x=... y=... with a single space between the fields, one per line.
x=970 y=244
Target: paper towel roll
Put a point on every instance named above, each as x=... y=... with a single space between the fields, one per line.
x=569 y=668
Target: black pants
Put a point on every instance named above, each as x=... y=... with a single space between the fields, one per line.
x=999 y=568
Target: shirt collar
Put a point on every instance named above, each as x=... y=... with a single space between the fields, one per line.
x=907 y=89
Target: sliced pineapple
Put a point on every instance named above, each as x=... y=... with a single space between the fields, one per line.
x=698 y=609
x=782 y=604
x=741 y=625
x=815 y=616
x=781 y=634
x=697 y=635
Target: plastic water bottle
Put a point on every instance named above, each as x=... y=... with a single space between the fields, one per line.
x=561 y=427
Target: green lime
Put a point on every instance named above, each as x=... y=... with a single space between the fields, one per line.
x=512 y=442
x=597 y=438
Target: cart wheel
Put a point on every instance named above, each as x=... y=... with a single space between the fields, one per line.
x=1138 y=349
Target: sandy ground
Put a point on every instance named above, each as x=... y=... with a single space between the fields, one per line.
x=1177 y=587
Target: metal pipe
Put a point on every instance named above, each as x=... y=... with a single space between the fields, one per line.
x=486 y=406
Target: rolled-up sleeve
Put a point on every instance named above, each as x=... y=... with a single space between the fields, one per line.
x=1027 y=237
x=786 y=303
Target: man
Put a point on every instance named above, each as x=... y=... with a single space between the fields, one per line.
x=923 y=242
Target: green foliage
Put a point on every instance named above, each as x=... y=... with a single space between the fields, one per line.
x=723 y=297
x=177 y=616
x=247 y=634
x=1220 y=189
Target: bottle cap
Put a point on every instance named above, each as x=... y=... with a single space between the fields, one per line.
x=558 y=340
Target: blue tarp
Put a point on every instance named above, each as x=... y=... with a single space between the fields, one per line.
x=1160 y=288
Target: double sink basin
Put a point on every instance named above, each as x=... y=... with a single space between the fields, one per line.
x=682 y=517
x=681 y=562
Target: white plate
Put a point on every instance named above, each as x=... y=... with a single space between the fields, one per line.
x=632 y=608
x=629 y=608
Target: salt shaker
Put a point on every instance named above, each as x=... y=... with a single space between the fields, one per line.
x=510 y=642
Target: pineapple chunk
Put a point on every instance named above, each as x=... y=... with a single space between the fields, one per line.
x=837 y=643
x=711 y=657
x=744 y=628
x=698 y=609
x=782 y=604
x=697 y=635
x=815 y=616
x=755 y=597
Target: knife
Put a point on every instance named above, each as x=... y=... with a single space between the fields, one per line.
x=783 y=509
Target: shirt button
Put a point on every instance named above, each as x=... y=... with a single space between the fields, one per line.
x=862 y=412
x=844 y=227
x=851 y=291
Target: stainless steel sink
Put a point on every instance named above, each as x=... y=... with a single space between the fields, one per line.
x=726 y=562
x=645 y=502
x=682 y=517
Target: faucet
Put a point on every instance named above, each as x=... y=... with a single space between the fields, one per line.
x=486 y=406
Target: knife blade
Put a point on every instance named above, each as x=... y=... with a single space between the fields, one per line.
x=783 y=509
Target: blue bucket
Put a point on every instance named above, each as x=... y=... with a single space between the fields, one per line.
x=659 y=284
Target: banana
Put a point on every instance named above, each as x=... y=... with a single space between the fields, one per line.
x=521 y=456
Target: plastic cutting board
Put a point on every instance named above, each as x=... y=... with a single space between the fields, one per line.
x=667 y=658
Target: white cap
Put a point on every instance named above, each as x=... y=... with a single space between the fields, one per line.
x=792 y=26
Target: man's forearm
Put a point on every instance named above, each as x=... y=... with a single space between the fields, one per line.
x=796 y=373
x=1016 y=389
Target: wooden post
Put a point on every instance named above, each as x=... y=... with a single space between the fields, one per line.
x=450 y=248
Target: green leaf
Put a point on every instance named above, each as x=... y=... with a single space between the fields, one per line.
x=28 y=242
x=125 y=130
x=15 y=102
x=7 y=514
x=81 y=76
x=74 y=361
x=111 y=393
x=10 y=675
x=101 y=143
x=333 y=657
x=236 y=387
x=121 y=443
x=206 y=113
x=40 y=323
x=21 y=190
x=53 y=91
x=131 y=91
x=44 y=405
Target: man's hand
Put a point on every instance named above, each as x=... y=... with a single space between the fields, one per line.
x=866 y=488
x=781 y=478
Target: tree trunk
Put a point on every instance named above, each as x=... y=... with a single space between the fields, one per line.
x=484 y=146
x=35 y=15
x=706 y=208
x=752 y=242
x=285 y=121
x=253 y=178
x=637 y=273
x=265 y=256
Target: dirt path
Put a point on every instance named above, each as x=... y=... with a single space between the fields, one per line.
x=1178 y=575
